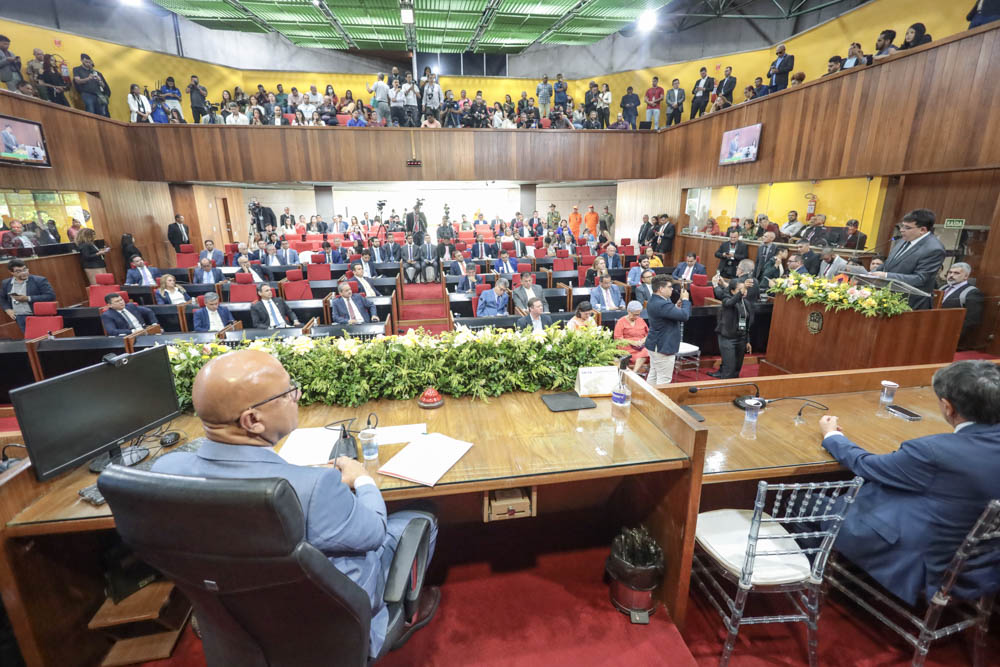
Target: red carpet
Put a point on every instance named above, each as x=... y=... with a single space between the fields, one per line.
x=422 y=291
x=424 y=311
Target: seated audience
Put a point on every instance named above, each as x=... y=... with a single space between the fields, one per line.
x=607 y=296
x=958 y=292
x=916 y=35
x=635 y=273
x=286 y=255
x=141 y=274
x=833 y=65
x=212 y=253
x=271 y=312
x=583 y=316
x=919 y=502
x=712 y=227
x=852 y=238
x=22 y=289
x=831 y=264
x=815 y=233
x=688 y=267
x=121 y=319
x=876 y=264
x=809 y=259
x=775 y=267
x=855 y=57
x=17 y=237
x=536 y=318
x=241 y=251
x=981 y=13
x=598 y=268
x=351 y=308
x=612 y=260
x=170 y=292
x=654 y=260
x=795 y=264
x=258 y=273
x=643 y=291
x=469 y=280
x=329 y=255
x=632 y=331
x=213 y=317
x=796 y=79
x=883 y=45
x=527 y=291
x=505 y=265
x=493 y=302
x=361 y=277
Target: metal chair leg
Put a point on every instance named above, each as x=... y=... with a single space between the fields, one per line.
x=985 y=608
x=733 y=625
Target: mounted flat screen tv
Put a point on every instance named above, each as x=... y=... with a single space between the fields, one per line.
x=740 y=145
x=22 y=142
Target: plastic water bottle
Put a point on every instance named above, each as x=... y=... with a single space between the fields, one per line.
x=749 y=431
x=621 y=395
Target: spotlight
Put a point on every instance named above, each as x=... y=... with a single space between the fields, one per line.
x=647 y=20
x=132 y=3
x=406 y=15
x=316 y=3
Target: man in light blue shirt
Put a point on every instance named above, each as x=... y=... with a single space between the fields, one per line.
x=635 y=273
x=212 y=253
x=493 y=302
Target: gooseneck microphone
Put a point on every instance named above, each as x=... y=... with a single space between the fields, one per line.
x=739 y=401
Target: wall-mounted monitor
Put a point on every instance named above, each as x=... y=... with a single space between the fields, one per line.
x=740 y=145
x=22 y=142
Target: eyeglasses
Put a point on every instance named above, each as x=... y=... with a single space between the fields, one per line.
x=294 y=390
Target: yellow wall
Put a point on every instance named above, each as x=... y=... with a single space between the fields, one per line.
x=123 y=65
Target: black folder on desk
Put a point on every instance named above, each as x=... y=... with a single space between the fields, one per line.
x=567 y=400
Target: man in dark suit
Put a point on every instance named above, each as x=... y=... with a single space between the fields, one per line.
x=536 y=319
x=663 y=241
x=816 y=232
x=380 y=255
x=178 y=232
x=504 y=264
x=853 y=239
x=206 y=275
x=351 y=308
x=141 y=274
x=917 y=257
x=416 y=224
x=730 y=254
x=371 y=270
x=701 y=93
x=795 y=264
x=809 y=259
x=919 y=502
x=765 y=254
x=212 y=317
x=329 y=255
x=644 y=231
x=258 y=272
x=22 y=289
x=664 y=337
x=121 y=319
x=689 y=267
x=959 y=293
x=483 y=250
x=469 y=280
x=241 y=251
x=271 y=312
x=521 y=249
x=727 y=85
x=778 y=73
x=429 y=263
x=259 y=254
x=458 y=265
x=409 y=255
x=287 y=218
x=393 y=249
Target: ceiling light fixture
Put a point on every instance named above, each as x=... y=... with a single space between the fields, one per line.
x=406 y=15
x=647 y=20
x=132 y=3
x=316 y=3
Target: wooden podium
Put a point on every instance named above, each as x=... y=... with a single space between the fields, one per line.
x=807 y=339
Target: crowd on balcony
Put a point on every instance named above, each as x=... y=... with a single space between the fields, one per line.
x=398 y=99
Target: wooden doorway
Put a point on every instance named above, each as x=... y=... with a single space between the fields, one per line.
x=225 y=222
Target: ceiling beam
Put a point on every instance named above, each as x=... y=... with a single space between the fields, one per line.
x=335 y=24
x=485 y=21
x=250 y=16
x=566 y=18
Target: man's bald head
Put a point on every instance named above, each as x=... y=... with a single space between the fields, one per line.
x=227 y=386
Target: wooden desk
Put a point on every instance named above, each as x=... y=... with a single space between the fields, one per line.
x=648 y=470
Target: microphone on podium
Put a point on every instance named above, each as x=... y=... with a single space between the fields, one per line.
x=739 y=401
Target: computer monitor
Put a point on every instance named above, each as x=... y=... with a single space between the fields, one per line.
x=73 y=418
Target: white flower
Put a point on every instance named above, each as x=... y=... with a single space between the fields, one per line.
x=172 y=352
x=301 y=344
x=348 y=346
x=538 y=336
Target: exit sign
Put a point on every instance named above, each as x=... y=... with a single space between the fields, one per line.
x=414 y=163
x=954 y=223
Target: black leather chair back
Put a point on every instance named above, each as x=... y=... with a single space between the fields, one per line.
x=236 y=549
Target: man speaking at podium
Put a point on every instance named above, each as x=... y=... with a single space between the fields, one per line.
x=247 y=403
x=918 y=503
x=917 y=258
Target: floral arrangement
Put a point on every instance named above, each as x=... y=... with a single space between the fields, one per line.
x=349 y=371
x=837 y=295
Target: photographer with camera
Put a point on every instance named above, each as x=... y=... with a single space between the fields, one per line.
x=213 y=117
x=416 y=223
x=198 y=95
x=433 y=98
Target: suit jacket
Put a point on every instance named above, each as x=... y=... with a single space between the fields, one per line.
x=488 y=250
x=525 y=322
x=260 y=317
x=466 y=285
x=679 y=270
x=597 y=298
x=394 y=250
x=115 y=324
x=642 y=293
x=918 y=266
x=832 y=268
x=175 y=237
x=709 y=87
x=917 y=505
x=811 y=262
x=764 y=256
x=665 y=241
x=457 y=269
x=856 y=241
x=520 y=250
x=201 y=321
x=331 y=257
x=973 y=305
x=668 y=98
x=287 y=257
x=499 y=268
x=258 y=255
x=37 y=289
x=726 y=87
x=262 y=271
x=644 y=232
x=236 y=258
x=815 y=235
x=216 y=256
x=406 y=255
x=521 y=298
x=216 y=275
x=134 y=277
x=340 y=314
x=779 y=80
x=612 y=262
x=664 y=324
x=427 y=253
x=490 y=305
x=348 y=527
x=727 y=266
x=384 y=255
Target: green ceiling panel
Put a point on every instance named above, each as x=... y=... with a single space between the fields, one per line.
x=447 y=26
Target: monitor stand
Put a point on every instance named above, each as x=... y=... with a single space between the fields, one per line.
x=129 y=456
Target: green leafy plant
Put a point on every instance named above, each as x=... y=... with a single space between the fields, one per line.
x=349 y=371
x=836 y=295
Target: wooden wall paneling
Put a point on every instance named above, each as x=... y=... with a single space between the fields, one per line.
x=206 y=202
x=646 y=197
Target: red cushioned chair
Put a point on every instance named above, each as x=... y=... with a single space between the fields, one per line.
x=296 y=290
x=475 y=302
x=507 y=245
x=242 y=292
x=562 y=264
x=43 y=308
x=318 y=272
x=587 y=260
x=522 y=267
x=699 y=293
x=95 y=294
x=348 y=274
x=43 y=321
x=105 y=279
x=301 y=246
x=231 y=248
x=186 y=260
x=314 y=237
x=699 y=279
x=342 y=118
x=468 y=236
x=293 y=274
x=201 y=300
x=353 y=258
x=627 y=241
x=632 y=265
x=289 y=117
x=460 y=245
x=546 y=123
x=539 y=252
x=187 y=247
x=626 y=250
x=483 y=229
x=317 y=259
x=562 y=253
x=243 y=278
x=399 y=236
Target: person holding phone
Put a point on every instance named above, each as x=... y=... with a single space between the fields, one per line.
x=733 y=328
x=664 y=337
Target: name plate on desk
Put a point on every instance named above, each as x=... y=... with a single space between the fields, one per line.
x=596 y=380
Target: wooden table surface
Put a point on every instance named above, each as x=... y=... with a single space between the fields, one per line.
x=784 y=448
x=516 y=441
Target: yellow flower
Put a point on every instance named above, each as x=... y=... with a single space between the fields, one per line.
x=834 y=296
x=869 y=302
x=809 y=292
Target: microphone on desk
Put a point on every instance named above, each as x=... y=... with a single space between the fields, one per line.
x=739 y=401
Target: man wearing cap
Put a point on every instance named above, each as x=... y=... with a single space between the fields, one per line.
x=553 y=218
x=575 y=220
x=591 y=219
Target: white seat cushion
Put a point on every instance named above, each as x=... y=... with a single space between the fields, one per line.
x=723 y=534
x=686 y=349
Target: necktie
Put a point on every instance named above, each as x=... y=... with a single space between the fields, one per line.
x=409 y=253
x=275 y=317
x=352 y=310
x=147 y=278
x=903 y=248
x=378 y=255
x=133 y=323
x=184 y=234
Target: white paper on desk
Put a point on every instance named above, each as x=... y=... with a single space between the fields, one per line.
x=309 y=446
x=426 y=459
x=392 y=435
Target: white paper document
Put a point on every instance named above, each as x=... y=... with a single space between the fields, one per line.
x=392 y=435
x=309 y=446
x=426 y=459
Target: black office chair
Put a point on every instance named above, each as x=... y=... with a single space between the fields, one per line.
x=262 y=595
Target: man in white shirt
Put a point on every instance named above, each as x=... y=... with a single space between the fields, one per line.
x=141 y=274
x=364 y=286
x=213 y=317
x=410 y=256
x=504 y=265
x=313 y=96
x=247 y=267
x=527 y=291
x=235 y=117
x=433 y=97
x=607 y=296
x=286 y=255
x=271 y=259
x=411 y=93
x=792 y=227
x=536 y=318
x=271 y=312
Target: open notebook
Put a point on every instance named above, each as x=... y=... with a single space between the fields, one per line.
x=426 y=458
